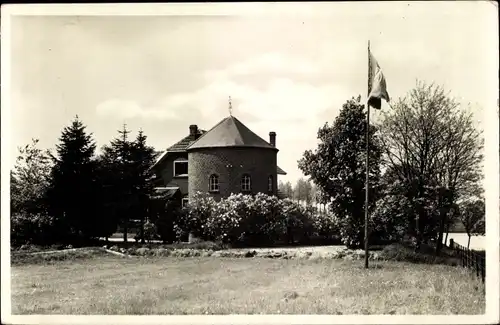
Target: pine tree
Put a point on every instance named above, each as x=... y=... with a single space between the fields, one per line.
x=143 y=157
x=118 y=167
x=107 y=195
x=71 y=194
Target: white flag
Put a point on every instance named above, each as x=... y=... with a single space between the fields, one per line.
x=377 y=87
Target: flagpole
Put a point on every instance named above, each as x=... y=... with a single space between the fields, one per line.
x=367 y=137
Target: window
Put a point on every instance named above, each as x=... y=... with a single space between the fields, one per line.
x=245 y=183
x=213 y=183
x=270 y=183
x=180 y=168
x=184 y=202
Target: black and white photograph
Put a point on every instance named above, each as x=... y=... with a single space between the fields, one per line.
x=250 y=162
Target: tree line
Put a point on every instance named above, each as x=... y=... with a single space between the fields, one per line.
x=74 y=195
x=425 y=168
x=425 y=175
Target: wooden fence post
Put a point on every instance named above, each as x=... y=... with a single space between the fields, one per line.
x=466 y=258
x=466 y=254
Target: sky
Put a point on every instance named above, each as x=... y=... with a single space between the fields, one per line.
x=286 y=71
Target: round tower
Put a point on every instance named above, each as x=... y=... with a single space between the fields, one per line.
x=230 y=158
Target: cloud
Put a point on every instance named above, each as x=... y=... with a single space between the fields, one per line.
x=268 y=63
x=282 y=91
x=128 y=109
x=282 y=98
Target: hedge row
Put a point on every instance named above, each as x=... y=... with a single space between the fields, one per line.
x=253 y=220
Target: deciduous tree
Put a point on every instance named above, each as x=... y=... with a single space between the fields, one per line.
x=433 y=149
x=302 y=191
x=286 y=189
x=472 y=216
x=30 y=222
x=338 y=168
x=30 y=179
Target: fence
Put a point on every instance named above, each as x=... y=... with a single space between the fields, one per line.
x=470 y=259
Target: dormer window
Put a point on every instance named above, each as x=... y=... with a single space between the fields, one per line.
x=181 y=168
x=246 y=183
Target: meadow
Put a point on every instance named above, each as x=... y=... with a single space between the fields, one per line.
x=105 y=284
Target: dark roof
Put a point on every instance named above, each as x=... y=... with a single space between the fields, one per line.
x=280 y=171
x=180 y=146
x=230 y=132
x=184 y=143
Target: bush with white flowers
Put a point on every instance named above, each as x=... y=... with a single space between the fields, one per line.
x=252 y=219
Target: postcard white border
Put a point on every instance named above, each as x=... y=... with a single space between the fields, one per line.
x=276 y=9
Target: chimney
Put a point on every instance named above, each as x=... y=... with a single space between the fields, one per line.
x=193 y=130
x=272 y=138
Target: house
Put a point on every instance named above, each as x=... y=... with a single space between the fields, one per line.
x=229 y=158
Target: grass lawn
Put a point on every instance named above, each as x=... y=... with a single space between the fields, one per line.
x=113 y=285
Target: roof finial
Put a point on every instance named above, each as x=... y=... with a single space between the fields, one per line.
x=230 y=107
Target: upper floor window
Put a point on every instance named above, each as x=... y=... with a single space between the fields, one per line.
x=180 y=168
x=213 y=183
x=245 y=183
x=270 y=183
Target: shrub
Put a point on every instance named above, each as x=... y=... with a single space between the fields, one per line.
x=251 y=220
x=150 y=231
x=223 y=222
x=32 y=229
x=262 y=219
x=298 y=221
x=350 y=230
x=323 y=225
x=193 y=219
x=399 y=252
x=166 y=220
x=389 y=222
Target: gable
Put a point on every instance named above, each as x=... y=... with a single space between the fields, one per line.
x=178 y=147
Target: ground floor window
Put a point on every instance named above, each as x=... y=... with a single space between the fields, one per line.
x=270 y=183
x=213 y=183
x=185 y=202
x=245 y=183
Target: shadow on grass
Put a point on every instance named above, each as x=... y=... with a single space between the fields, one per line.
x=426 y=255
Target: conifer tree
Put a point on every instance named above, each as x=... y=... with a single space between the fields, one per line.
x=117 y=160
x=71 y=195
x=143 y=157
x=107 y=196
